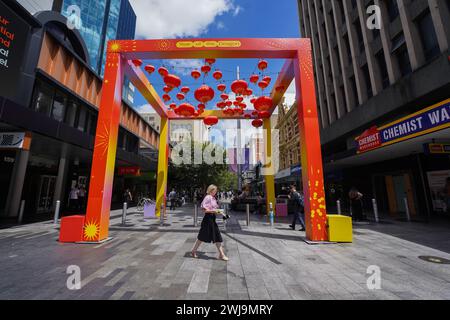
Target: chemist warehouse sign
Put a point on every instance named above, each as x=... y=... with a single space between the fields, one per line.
x=432 y=119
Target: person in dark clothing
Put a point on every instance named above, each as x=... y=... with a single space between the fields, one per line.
x=299 y=208
x=127 y=197
x=356 y=204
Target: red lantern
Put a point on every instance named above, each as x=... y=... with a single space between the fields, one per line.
x=229 y=103
x=201 y=106
x=263 y=103
x=263 y=84
x=221 y=87
x=239 y=99
x=185 y=90
x=224 y=96
x=200 y=111
x=247 y=116
x=267 y=79
x=185 y=110
x=236 y=103
x=239 y=87
x=254 y=78
x=204 y=94
x=228 y=111
x=243 y=106
x=211 y=120
x=221 y=104
x=257 y=123
x=149 y=68
x=167 y=89
x=166 y=97
x=249 y=92
x=252 y=101
x=255 y=113
x=163 y=71
x=196 y=114
x=206 y=69
x=217 y=75
x=180 y=96
x=264 y=114
x=172 y=81
x=239 y=111
x=137 y=62
x=262 y=65
x=210 y=61
x=196 y=74
x=173 y=106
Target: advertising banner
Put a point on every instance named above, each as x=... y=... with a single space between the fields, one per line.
x=13 y=38
x=432 y=119
x=439 y=182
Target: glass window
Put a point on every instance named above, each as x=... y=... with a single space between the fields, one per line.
x=428 y=35
x=71 y=112
x=59 y=106
x=43 y=98
x=81 y=119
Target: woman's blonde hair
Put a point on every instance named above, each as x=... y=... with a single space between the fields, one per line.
x=211 y=188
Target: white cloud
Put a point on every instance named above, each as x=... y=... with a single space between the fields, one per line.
x=220 y=25
x=157 y=19
x=146 y=108
x=185 y=66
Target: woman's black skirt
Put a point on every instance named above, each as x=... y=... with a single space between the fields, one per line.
x=209 y=231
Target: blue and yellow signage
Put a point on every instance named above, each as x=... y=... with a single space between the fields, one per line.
x=434 y=118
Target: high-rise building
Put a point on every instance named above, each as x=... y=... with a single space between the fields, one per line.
x=101 y=21
x=383 y=100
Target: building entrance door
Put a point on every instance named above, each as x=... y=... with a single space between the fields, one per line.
x=46 y=193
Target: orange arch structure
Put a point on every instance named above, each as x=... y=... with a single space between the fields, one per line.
x=298 y=66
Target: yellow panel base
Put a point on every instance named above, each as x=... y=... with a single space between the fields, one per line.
x=340 y=228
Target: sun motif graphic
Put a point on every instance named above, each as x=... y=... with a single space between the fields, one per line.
x=91 y=231
x=102 y=141
x=114 y=46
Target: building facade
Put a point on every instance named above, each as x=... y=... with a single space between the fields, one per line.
x=48 y=120
x=382 y=97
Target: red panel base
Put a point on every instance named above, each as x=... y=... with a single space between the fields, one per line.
x=71 y=229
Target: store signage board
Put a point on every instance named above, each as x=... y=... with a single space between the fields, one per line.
x=13 y=38
x=130 y=171
x=15 y=140
x=437 y=148
x=429 y=120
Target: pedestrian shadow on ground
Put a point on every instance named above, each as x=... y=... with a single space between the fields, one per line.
x=201 y=256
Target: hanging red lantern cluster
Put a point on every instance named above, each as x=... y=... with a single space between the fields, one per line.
x=204 y=94
x=173 y=106
x=137 y=62
x=254 y=79
x=217 y=75
x=206 y=69
x=166 y=97
x=167 y=89
x=185 y=90
x=262 y=65
x=221 y=87
x=210 y=61
x=180 y=96
x=257 y=123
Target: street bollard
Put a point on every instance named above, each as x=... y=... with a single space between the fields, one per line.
x=248 y=215
x=339 y=210
x=408 y=216
x=375 y=210
x=56 y=217
x=124 y=213
x=195 y=215
x=161 y=215
x=22 y=208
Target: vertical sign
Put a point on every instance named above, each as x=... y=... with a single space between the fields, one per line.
x=13 y=37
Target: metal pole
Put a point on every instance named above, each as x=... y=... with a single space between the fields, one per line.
x=339 y=210
x=375 y=210
x=124 y=213
x=195 y=215
x=408 y=217
x=248 y=214
x=58 y=206
x=22 y=208
x=161 y=215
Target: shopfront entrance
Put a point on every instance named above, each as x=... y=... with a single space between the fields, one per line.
x=46 y=194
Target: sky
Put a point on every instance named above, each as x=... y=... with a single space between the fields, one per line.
x=168 y=19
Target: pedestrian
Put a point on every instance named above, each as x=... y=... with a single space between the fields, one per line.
x=127 y=197
x=356 y=204
x=172 y=199
x=209 y=230
x=299 y=207
x=73 y=198
x=82 y=197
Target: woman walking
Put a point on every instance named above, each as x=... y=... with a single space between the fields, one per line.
x=209 y=231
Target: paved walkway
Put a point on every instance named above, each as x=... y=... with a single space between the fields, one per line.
x=145 y=261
